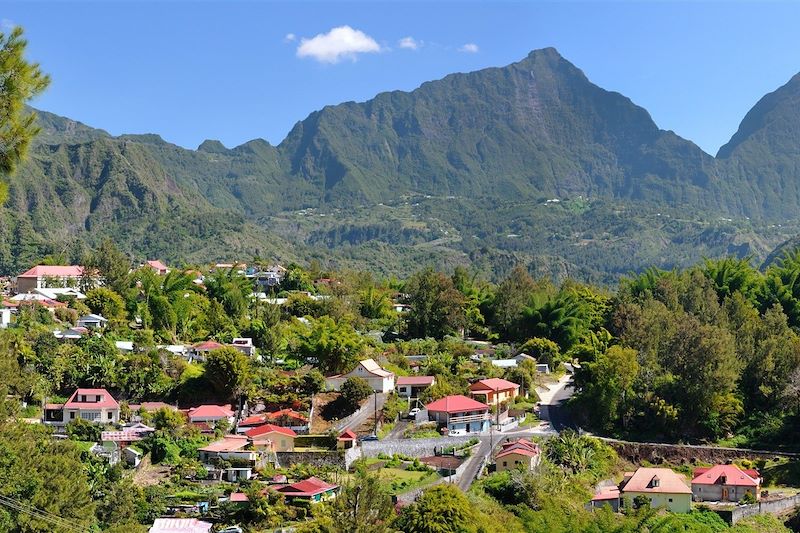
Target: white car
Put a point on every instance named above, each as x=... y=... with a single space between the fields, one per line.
x=413 y=413
x=457 y=432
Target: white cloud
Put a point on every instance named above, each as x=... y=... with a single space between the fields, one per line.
x=409 y=43
x=469 y=48
x=341 y=42
x=290 y=37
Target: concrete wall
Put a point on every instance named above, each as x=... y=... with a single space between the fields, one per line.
x=733 y=515
x=410 y=447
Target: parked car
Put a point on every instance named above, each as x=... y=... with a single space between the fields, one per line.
x=369 y=438
x=412 y=414
x=457 y=432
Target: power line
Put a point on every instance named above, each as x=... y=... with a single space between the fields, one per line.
x=40 y=514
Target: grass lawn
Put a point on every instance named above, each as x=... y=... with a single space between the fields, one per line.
x=781 y=473
x=385 y=429
x=401 y=481
x=84 y=445
x=530 y=420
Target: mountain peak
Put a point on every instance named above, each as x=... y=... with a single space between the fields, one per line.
x=774 y=115
x=212 y=146
x=549 y=52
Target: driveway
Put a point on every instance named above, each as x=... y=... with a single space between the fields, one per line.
x=552 y=407
x=365 y=414
x=474 y=463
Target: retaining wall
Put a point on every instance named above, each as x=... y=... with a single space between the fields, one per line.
x=340 y=458
x=775 y=507
x=410 y=447
x=657 y=453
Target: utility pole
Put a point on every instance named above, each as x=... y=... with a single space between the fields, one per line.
x=375 y=395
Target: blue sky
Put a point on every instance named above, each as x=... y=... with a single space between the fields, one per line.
x=227 y=70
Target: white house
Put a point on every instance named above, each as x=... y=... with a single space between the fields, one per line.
x=5 y=317
x=379 y=379
x=94 y=405
x=55 y=292
x=92 y=321
x=49 y=276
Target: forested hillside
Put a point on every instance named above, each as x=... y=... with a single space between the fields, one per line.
x=529 y=163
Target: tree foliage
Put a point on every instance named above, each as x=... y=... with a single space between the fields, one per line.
x=20 y=80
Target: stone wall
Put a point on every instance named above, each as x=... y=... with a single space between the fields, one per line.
x=410 y=447
x=656 y=453
x=340 y=458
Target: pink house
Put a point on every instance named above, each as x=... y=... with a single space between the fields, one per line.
x=158 y=267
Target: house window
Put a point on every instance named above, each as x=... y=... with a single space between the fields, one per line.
x=110 y=415
x=72 y=415
x=670 y=500
x=505 y=464
x=91 y=416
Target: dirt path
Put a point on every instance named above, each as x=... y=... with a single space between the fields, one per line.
x=148 y=474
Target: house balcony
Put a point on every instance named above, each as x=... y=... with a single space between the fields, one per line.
x=465 y=419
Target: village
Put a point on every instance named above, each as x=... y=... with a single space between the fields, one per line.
x=384 y=422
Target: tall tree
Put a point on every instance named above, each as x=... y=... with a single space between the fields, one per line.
x=441 y=509
x=20 y=80
x=510 y=300
x=228 y=370
x=437 y=307
x=109 y=263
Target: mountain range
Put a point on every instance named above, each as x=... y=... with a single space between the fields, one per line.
x=528 y=163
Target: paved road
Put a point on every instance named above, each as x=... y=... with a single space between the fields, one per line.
x=475 y=462
x=552 y=407
x=367 y=413
x=397 y=430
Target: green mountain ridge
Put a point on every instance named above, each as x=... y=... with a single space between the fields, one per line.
x=493 y=144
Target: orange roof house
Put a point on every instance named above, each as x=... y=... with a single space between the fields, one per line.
x=519 y=453
x=494 y=390
x=662 y=486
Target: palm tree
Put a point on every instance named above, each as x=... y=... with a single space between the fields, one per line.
x=231 y=289
x=561 y=318
x=731 y=275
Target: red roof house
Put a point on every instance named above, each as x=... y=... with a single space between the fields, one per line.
x=49 y=275
x=158 y=267
x=94 y=405
x=210 y=413
x=459 y=414
x=518 y=452
x=346 y=439
x=276 y=438
x=312 y=489
x=725 y=483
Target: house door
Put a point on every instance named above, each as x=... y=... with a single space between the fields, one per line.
x=724 y=494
